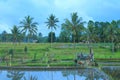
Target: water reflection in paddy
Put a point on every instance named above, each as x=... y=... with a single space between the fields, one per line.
x=79 y=74
x=113 y=71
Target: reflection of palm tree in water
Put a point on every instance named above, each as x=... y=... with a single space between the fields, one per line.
x=18 y=75
x=52 y=75
x=87 y=74
x=74 y=77
x=15 y=75
x=66 y=73
x=91 y=75
x=30 y=77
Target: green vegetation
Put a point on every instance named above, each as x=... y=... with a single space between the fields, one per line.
x=102 y=37
x=73 y=29
x=61 y=54
x=75 y=25
x=51 y=23
x=28 y=26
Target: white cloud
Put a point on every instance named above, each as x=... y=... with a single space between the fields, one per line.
x=85 y=16
x=69 y=6
x=112 y=4
x=39 y=3
x=4 y=27
x=66 y=4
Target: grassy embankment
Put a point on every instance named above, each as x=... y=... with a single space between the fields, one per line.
x=61 y=54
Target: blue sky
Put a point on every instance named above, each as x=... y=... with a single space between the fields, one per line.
x=13 y=11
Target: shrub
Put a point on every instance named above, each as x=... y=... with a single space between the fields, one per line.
x=25 y=49
x=11 y=52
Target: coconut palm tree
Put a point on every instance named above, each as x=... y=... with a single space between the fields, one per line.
x=51 y=24
x=75 y=25
x=28 y=26
x=91 y=32
x=103 y=30
x=117 y=38
x=15 y=33
x=65 y=34
x=4 y=36
x=112 y=30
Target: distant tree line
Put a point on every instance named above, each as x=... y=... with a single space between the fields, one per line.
x=72 y=30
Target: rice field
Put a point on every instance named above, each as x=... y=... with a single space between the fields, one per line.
x=42 y=54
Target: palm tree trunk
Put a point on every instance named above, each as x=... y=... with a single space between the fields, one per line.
x=74 y=42
x=28 y=40
x=87 y=39
x=51 y=37
x=74 y=77
x=112 y=45
x=75 y=46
